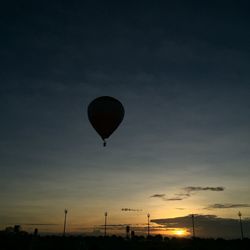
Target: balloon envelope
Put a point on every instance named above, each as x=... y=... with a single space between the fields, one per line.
x=105 y=113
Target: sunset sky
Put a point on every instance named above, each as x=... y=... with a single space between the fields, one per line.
x=181 y=70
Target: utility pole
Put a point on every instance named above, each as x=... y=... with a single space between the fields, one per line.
x=193 y=225
x=127 y=231
x=65 y=218
x=241 y=229
x=105 y=224
x=148 y=223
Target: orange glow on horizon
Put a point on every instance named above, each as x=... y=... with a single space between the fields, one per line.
x=180 y=232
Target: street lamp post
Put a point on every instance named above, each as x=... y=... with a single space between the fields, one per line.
x=148 y=215
x=105 y=223
x=65 y=218
x=193 y=225
x=241 y=229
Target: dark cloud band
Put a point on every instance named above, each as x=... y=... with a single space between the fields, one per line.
x=227 y=205
x=188 y=192
x=206 y=225
x=164 y=198
x=131 y=209
x=192 y=189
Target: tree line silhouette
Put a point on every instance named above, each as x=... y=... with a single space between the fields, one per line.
x=16 y=239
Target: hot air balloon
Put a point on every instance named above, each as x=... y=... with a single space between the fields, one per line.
x=105 y=114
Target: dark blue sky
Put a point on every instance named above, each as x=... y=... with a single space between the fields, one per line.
x=181 y=71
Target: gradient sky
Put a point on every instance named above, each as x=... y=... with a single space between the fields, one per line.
x=181 y=71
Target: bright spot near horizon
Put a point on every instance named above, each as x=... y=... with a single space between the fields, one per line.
x=179 y=232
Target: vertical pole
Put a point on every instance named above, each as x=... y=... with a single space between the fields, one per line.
x=193 y=226
x=65 y=218
x=105 y=224
x=127 y=231
x=241 y=229
x=148 y=223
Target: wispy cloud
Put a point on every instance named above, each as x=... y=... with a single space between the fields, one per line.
x=174 y=199
x=183 y=194
x=164 y=198
x=188 y=191
x=227 y=205
x=193 y=189
x=158 y=196
x=131 y=209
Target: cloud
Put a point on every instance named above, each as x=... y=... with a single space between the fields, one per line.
x=193 y=189
x=226 y=205
x=131 y=210
x=157 y=196
x=207 y=225
x=164 y=198
x=175 y=199
x=183 y=194
x=188 y=192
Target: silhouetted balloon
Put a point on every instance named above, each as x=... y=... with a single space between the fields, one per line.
x=105 y=114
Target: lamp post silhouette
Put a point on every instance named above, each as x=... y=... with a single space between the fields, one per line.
x=65 y=218
x=241 y=229
x=105 y=223
x=148 y=215
x=127 y=231
x=193 y=225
